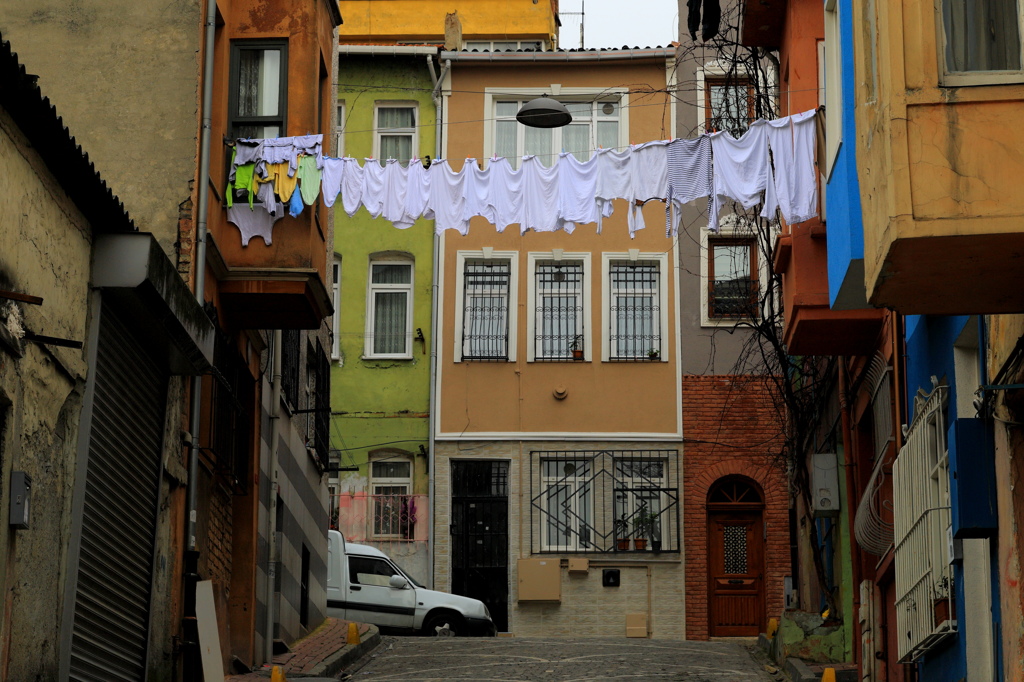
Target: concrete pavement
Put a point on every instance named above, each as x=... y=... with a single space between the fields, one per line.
x=528 y=659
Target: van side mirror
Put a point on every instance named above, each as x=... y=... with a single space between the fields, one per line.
x=398 y=582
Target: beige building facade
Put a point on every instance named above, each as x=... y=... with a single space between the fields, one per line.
x=558 y=442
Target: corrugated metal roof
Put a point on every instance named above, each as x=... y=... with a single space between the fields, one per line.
x=67 y=161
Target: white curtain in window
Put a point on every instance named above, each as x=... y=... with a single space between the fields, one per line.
x=389 y=322
x=982 y=36
x=395 y=117
x=634 y=327
x=505 y=141
x=396 y=147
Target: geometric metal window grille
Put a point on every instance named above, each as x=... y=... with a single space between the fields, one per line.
x=602 y=501
x=559 y=308
x=635 y=310
x=485 y=314
x=921 y=506
x=735 y=550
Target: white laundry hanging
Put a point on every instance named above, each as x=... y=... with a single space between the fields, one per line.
x=792 y=140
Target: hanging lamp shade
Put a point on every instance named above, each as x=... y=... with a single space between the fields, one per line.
x=544 y=112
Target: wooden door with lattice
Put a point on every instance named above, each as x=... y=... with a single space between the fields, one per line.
x=735 y=573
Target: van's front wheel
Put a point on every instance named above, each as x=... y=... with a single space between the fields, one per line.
x=456 y=625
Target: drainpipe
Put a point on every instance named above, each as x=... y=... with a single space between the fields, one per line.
x=191 y=567
x=435 y=304
x=275 y=434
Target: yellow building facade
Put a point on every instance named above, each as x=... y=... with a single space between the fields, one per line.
x=381 y=22
x=939 y=104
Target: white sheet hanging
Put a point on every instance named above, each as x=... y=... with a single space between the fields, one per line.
x=792 y=140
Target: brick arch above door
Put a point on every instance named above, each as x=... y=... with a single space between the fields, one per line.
x=701 y=471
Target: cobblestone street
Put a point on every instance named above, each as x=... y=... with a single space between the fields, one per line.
x=402 y=658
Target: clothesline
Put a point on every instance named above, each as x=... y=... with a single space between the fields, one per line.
x=269 y=175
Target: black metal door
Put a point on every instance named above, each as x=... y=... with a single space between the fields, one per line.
x=479 y=529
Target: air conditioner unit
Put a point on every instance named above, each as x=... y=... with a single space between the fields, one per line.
x=824 y=484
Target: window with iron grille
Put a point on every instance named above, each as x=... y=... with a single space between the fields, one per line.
x=558 y=308
x=604 y=501
x=394 y=510
x=485 y=309
x=322 y=404
x=290 y=350
x=635 y=310
x=732 y=278
x=921 y=511
x=231 y=396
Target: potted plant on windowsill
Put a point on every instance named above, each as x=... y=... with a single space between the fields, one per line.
x=576 y=347
x=621 y=535
x=643 y=527
x=653 y=354
x=943 y=606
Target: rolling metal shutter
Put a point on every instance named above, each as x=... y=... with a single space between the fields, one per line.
x=115 y=571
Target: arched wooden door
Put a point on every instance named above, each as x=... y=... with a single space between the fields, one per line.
x=735 y=558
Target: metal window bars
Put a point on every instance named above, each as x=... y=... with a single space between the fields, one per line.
x=290 y=349
x=322 y=416
x=604 y=501
x=485 y=318
x=394 y=513
x=635 y=311
x=921 y=496
x=232 y=390
x=558 y=327
x=733 y=298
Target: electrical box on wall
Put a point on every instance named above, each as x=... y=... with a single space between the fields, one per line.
x=824 y=484
x=540 y=580
x=610 y=577
x=21 y=489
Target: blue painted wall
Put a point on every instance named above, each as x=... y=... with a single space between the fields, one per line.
x=842 y=194
x=929 y=352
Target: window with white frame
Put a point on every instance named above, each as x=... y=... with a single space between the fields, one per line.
x=558 y=328
x=732 y=278
x=640 y=496
x=395 y=134
x=339 y=131
x=567 y=498
x=594 y=124
x=394 y=510
x=921 y=519
x=389 y=310
x=635 y=310
x=336 y=301
x=833 y=87
x=981 y=41
x=486 y=308
x=731 y=270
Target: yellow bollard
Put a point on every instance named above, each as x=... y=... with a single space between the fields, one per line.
x=276 y=675
x=773 y=627
x=829 y=675
x=353 y=634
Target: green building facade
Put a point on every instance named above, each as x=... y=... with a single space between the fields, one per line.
x=383 y=277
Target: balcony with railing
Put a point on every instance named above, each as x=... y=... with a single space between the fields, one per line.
x=390 y=517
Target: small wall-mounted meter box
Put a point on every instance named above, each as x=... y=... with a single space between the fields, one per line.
x=21 y=489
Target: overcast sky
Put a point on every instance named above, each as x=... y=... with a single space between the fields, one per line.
x=614 y=23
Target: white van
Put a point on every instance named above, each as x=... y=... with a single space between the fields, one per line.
x=364 y=585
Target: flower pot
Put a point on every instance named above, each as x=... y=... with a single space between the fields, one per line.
x=656 y=545
x=640 y=544
x=942 y=608
x=622 y=544
x=577 y=354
